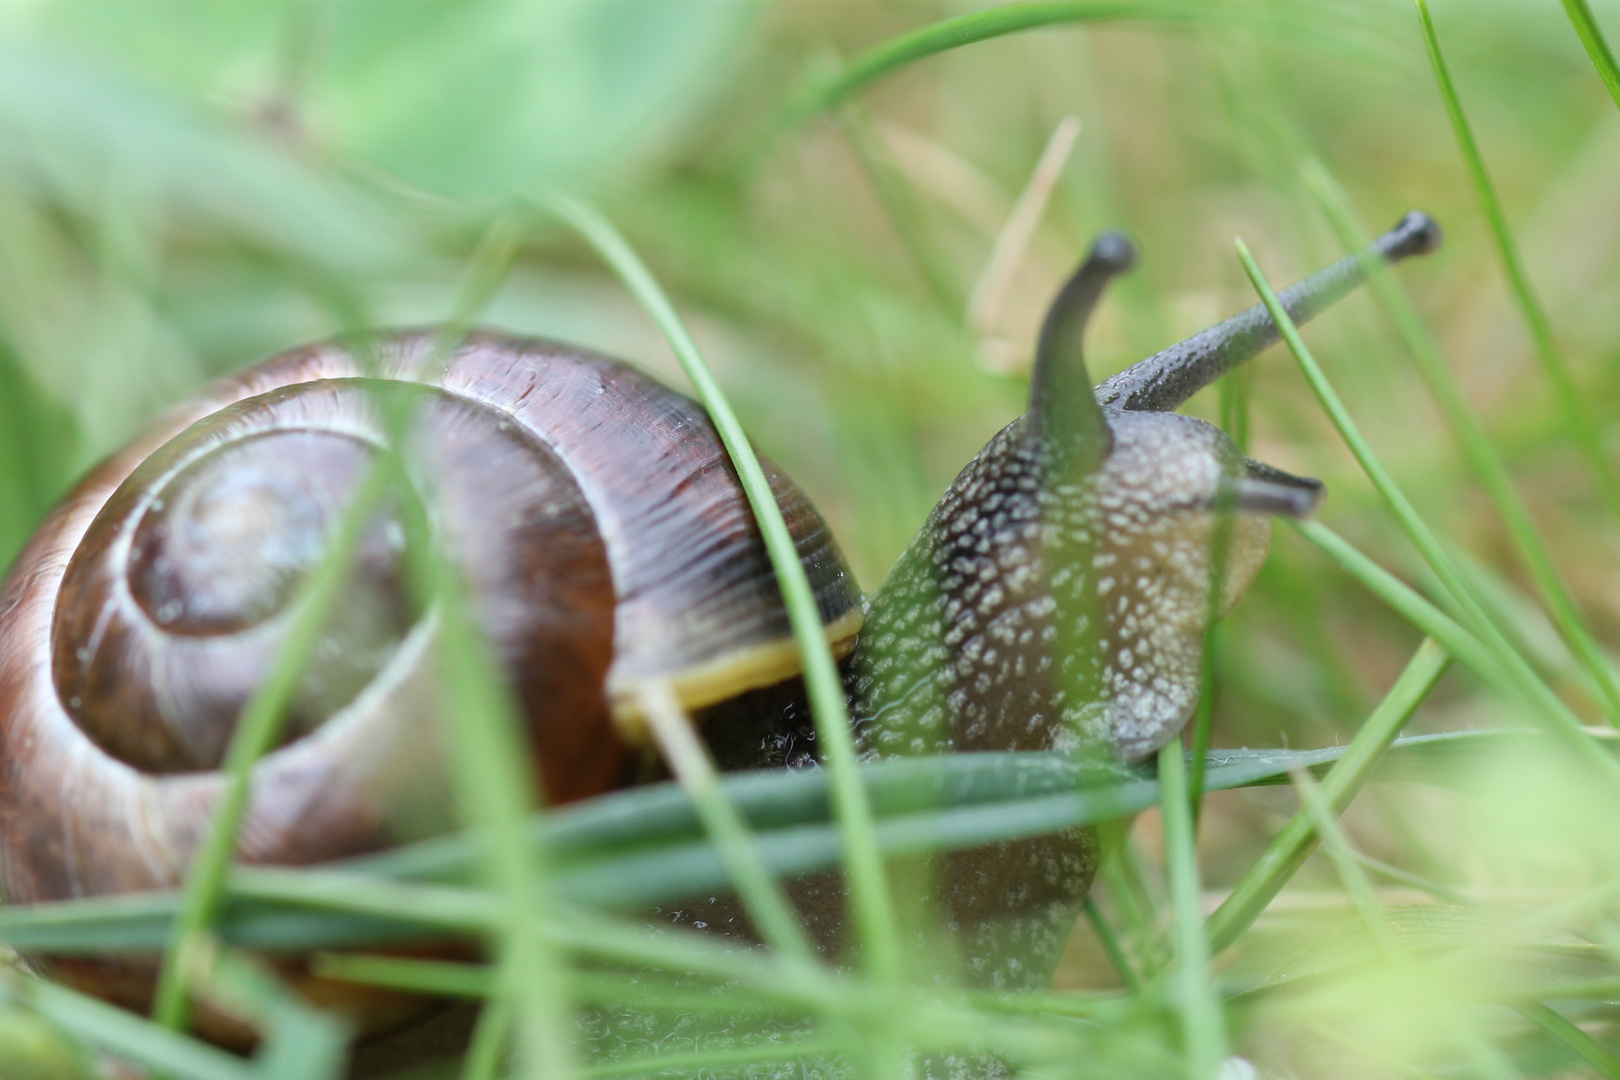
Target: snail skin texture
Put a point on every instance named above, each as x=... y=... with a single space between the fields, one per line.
x=1055 y=599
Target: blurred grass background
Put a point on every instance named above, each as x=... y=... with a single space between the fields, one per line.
x=182 y=184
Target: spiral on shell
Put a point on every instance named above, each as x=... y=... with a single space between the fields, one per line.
x=591 y=511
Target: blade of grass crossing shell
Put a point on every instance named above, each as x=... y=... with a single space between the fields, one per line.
x=868 y=889
x=491 y=762
x=1202 y=1022
x=1577 y=418
x=1597 y=47
x=256 y=732
x=692 y=767
x=1288 y=850
x=287 y=903
x=259 y=723
x=1530 y=688
x=494 y=787
x=1476 y=444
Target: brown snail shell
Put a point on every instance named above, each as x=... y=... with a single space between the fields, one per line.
x=592 y=511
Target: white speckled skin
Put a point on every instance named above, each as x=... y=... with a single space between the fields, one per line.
x=1032 y=612
x=1035 y=613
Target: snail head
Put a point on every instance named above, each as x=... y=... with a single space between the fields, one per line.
x=1177 y=519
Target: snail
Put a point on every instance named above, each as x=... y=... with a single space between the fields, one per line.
x=1056 y=597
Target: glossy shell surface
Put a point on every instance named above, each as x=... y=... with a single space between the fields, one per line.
x=600 y=529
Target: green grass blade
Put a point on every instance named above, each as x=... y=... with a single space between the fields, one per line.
x=1204 y=1027
x=1476 y=445
x=1204 y=717
x=260 y=721
x=256 y=732
x=275 y=907
x=1573 y=1037
x=491 y=762
x=1405 y=600
x=869 y=893
x=1529 y=688
x=1325 y=817
x=126 y=1035
x=763 y=897
x=1597 y=46
x=1577 y=417
x=1416 y=881
x=441 y=978
x=823 y=91
x=299 y=1041
x=1112 y=946
x=1288 y=850
x=494 y=1030
x=1487 y=1059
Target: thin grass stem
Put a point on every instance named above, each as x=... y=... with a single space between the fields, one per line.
x=1325 y=817
x=260 y=721
x=1571 y=1036
x=869 y=893
x=1596 y=45
x=256 y=731
x=1113 y=948
x=126 y=1035
x=1476 y=445
x=491 y=764
x=1577 y=417
x=1487 y=1059
x=1416 y=881
x=827 y=89
x=1528 y=686
x=490 y=1037
x=1288 y=850
x=690 y=763
x=1204 y=717
x=1204 y=1026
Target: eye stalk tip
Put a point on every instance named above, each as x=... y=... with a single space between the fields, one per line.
x=1113 y=252
x=1415 y=234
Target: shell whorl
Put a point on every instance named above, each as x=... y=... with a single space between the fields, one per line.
x=591 y=510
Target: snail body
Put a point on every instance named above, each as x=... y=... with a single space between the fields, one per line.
x=1056 y=598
